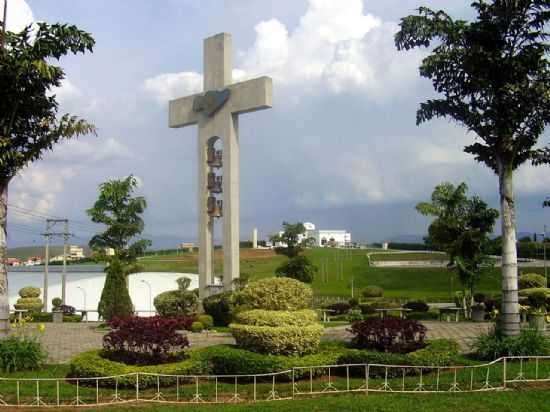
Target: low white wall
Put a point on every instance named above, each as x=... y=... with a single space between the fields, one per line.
x=92 y=283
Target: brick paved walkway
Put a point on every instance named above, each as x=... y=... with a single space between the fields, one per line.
x=63 y=341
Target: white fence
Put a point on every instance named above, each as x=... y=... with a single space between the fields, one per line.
x=294 y=383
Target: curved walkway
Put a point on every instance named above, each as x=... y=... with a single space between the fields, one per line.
x=63 y=341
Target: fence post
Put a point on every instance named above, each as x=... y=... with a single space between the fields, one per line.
x=504 y=374
x=137 y=386
x=293 y=383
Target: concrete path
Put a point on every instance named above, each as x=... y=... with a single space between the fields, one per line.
x=63 y=341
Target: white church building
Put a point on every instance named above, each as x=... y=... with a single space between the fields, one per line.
x=324 y=237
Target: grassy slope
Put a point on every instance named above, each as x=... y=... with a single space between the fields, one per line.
x=431 y=283
x=408 y=256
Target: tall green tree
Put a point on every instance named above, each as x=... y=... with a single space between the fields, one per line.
x=30 y=124
x=120 y=212
x=493 y=77
x=461 y=228
x=297 y=266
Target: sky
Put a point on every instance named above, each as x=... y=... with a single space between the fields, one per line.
x=340 y=147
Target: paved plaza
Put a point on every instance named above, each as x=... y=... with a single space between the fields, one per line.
x=63 y=341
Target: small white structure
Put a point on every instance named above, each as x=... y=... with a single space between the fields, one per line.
x=322 y=237
x=255 y=238
x=385 y=246
x=76 y=253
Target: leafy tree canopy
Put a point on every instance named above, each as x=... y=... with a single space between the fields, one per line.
x=29 y=122
x=121 y=213
x=494 y=74
x=290 y=237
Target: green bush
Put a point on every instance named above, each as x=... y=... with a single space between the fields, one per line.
x=92 y=364
x=537 y=300
x=527 y=292
x=278 y=340
x=438 y=352
x=430 y=315
x=299 y=268
x=259 y=317
x=72 y=318
x=180 y=302
x=220 y=307
x=532 y=280
x=197 y=327
x=372 y=292
x=206 y=321
x=41 y=317
x=115 y=299
x=20 y=353
x=493 y=345
x=56 y=302
x=361 y=356
x=276 y=294
x=367 y=308
x=29 y=292
x=31 y=304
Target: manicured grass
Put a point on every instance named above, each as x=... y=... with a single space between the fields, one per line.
x=382 y=256
x=433 y=284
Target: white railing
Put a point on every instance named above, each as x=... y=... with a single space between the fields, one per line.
x=294 y=383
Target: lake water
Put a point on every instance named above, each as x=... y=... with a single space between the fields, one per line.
x=90 y=278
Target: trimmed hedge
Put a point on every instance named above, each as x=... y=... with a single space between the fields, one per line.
x=92 y=364
x=372 y=292
x=276 y=294
x=230 y=360
x=29 y=292
x=278 y=340
x=528 y=292
x=259 y=317
x=220 y=307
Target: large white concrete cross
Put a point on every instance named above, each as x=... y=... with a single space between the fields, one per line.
x=216 y=113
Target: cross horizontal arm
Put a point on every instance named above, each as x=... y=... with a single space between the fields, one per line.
x=251 y=95
x=181 y=112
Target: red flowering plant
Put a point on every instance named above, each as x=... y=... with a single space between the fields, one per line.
x=146 y=341
x=389 y=334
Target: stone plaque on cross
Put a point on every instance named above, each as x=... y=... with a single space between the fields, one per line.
x=216 y=111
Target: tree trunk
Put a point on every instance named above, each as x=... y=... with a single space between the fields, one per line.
x=510 y=308
x=4 y=297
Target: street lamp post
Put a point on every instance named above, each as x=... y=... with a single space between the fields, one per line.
x=84 y=296
x=150 y=295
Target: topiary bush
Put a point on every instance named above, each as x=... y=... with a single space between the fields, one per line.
x=146 y=341
x=180 y=302
x=56 y=303
x=389 y=334
x=206 y=321
x=527 y=292
x=417 y=306
x=260 y=317
x=115 y=299
x=29 y=300
x=278 y=340
x=372 y=292
x=276 y=294
x=220 y=307
x=340 y=308
x=277 y=321
x=532 y=280
x=197 y=327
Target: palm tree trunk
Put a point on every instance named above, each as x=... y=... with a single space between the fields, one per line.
x=510 y=308
x=4 y=297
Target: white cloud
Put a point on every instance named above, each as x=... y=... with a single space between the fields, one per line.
x=19 y=15
x=335 y=46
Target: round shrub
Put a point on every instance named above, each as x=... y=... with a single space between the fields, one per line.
x=340 y=308
x=353 y=302
x=29 y=292
x=197 y=327
x=276 y=294
x=278 y=340
x=367 y=308
x=373 y=292
x=175 y=303
x=417 y=306
x=537 y=300
x=530 y=291
x=532 y=280
x=206 y=321
x=220 y=307
x=56 y=302
x=260 y=317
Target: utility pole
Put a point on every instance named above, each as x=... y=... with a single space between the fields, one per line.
x=48 y=234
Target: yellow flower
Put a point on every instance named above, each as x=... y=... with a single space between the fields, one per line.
x=41 y=327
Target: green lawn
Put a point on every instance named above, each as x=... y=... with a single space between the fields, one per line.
x=382 y=256
x=538 y=400
x=434 y=284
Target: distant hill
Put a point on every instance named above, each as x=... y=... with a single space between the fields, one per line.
x=407 y=239
x=28 y=251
